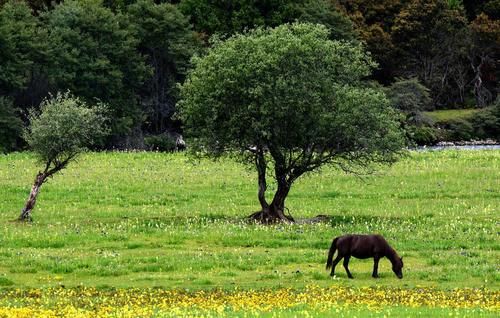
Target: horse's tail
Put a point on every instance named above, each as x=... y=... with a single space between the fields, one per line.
x=333 y=248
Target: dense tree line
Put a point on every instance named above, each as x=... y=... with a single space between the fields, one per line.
x=130 y=54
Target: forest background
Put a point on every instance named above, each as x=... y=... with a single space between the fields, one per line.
x=438 y=60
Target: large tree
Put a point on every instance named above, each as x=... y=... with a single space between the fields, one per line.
x=19 y=46
x=484 y=57
x=94 y=54
x=430 y=40
x=61 y=130
x=22 y=49
x=291 y=99
x=373 y=20
x=231 y=16
x=167 y=41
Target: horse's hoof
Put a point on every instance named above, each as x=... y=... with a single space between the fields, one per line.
x=351 y=277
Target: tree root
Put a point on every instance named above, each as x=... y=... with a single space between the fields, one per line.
x=266 y=217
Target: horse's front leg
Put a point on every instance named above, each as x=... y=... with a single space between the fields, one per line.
x=376 y=258
x=346 y=265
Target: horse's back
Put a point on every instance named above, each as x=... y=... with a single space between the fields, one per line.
x=361 y=246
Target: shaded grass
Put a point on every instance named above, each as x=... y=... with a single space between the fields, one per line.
x=452 y=114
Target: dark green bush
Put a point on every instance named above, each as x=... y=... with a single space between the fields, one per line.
x=422 y=135
x=409 y=96
x=160 y=142
x=11 y=126
x=486 y=124
x=459 y=130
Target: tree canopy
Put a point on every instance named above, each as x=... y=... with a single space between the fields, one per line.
x=229 y=17
x=132 y=54
x=64 y=127
x=167 y=42
x=292 y=96
x=18 y=32
x=93 y=54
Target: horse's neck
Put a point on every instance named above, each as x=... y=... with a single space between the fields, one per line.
x=391 y=254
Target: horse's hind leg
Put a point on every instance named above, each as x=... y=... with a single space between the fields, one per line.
x=335 y=262
x=346 y=265
x=375 y=266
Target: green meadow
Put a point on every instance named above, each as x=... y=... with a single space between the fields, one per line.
x=452 y=114
x=147 y=220
x=154 y=219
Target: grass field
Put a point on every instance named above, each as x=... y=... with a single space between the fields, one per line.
x=161 y=223
x=451 y=114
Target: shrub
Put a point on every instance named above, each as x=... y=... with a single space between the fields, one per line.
x=486 y=123
x=11 y=126
x=162 y=142
x=409 y=95
x=422 y=135
x=459 y=129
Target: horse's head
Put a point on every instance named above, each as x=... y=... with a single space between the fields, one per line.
x=397 y=267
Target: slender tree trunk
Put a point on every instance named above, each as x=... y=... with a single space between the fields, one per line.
x=261 y=165
x=274 y=212
x=30 y=203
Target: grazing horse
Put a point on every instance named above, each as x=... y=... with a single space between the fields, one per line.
x=363 y=246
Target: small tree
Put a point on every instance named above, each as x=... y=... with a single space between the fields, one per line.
x=291 y=97
x=411 y=98
x=409 y=95
x=58 y=133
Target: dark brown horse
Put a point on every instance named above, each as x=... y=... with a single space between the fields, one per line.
x=363 y=246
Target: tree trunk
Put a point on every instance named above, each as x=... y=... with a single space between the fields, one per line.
x=261 y=165
x=274 y=212
x=30 y=203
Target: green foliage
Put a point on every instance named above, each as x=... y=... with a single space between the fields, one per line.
x=167 y=41
x=373 y=20
x=483 y=56
x=410 y=97
x=468 y=124
x=63 y=128
x=93 y=54
x=229 y=17
x=18 y=45
x=11 y=125
x=455 y=4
